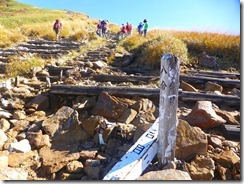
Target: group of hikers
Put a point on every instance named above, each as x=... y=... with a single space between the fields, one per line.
x=126 y=30
x=102 y=28
x=142 y=28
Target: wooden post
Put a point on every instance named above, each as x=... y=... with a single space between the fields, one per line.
x=168 y=104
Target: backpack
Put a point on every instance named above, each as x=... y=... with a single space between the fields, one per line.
x=57 y=25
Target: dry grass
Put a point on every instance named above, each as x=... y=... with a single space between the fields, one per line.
x=23 y=68
x=188 y=46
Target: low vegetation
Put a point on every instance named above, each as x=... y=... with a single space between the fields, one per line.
x=19 y=22
x=23 y=68
x=188 y=46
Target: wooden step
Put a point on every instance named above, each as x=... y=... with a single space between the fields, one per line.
x=231 y=132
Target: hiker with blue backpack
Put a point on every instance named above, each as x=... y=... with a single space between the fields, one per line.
x=140 y=28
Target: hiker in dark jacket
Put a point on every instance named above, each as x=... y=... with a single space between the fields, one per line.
x=104 y=25
x=57 y=27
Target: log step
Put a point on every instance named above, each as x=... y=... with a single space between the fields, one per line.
x=151 y=93
x=231 y=131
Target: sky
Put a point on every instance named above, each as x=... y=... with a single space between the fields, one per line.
x=221 y=16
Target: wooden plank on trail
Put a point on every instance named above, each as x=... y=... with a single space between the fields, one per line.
x=190 y=79
x=202 y=80
x=137 y=158
x=231 y=131
x=151 y=93
x=214 y=74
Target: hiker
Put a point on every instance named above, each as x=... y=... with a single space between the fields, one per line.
x=99 y=28
x=122 y=31
x=128 y=29
x=104 y=28
x=139 y=28
x=57 y=27
x=145 y=27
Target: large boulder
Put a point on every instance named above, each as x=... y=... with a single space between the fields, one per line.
x=190 y=141
x=167 y=174
x=109 y=107
x=204 y=116
x=201 y=168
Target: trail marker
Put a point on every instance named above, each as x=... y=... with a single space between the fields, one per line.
x=160 y=138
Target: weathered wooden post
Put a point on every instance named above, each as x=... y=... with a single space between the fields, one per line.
x=168 y=105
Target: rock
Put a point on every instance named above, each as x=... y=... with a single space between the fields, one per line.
x=144 y=105
x=211 y=86
x=93 y=168
x=109 y=107
x=201 y=168
x=215 y=141
x=17 y=159
x=38 y=140
x=148 y=117
x=4 y=124
x=190 y=141
x=74 y=167
x=5 y=114
x=22 y=146
x=54 y=160
x=3 y=138
x=128 y=116
x=71 y=176
x=19 y=115
x=70 y=81
x=89 y=154
x=3 y=161
x=227 y=158
x=9 y=173
x=124 y=131
x=164 y=175
x=99 y=64
x=187 y=87
x=208 y=61
x=222 y=171
x=235 y=92
x=40 y=103
x=64 y=129
x=112 y=146
x=91 y=123
x=60 y=121
x=140 y=129
x=21 y=125
x=204 y=116
x=227 y=116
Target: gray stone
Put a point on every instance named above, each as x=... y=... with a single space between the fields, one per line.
x=164 y=175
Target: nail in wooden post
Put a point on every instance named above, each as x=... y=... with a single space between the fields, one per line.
x=168 y=104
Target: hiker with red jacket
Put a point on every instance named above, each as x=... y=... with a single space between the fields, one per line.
x=57 y=27
x=128 y=29
x=122 y=31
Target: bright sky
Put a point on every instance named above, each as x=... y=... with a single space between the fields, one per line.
x=222 y=16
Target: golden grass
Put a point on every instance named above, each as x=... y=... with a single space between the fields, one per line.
x=19 y=22
x=23 y=68
x=188 y=46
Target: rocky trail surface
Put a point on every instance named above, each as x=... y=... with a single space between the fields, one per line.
x=50 y=123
